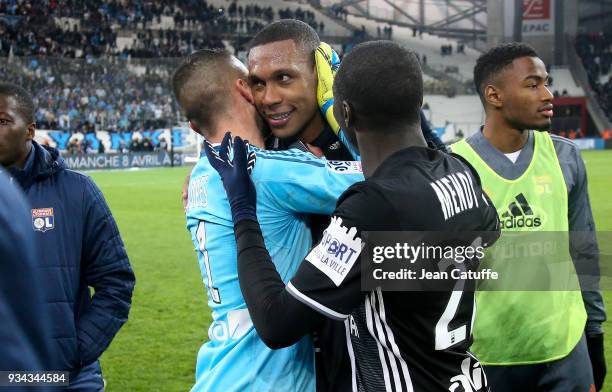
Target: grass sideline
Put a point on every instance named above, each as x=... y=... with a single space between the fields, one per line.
x=156 y=349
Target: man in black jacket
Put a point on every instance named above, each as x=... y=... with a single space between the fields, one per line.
x=78 y=242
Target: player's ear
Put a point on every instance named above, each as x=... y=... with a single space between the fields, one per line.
x=31 y=131
x=492 y=96
x=245 y=90
x=340 y=113
x=348 y=114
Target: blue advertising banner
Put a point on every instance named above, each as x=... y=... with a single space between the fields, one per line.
x=123 y=161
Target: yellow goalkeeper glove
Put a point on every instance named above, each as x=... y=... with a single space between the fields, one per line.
x=327 y=61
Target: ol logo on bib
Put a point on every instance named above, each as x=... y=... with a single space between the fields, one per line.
x=42 y=219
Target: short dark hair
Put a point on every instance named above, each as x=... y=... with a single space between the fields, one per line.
x=25 y=103
x=202 y=76
x=495 y=60
x=284 y=29
x=383 y=83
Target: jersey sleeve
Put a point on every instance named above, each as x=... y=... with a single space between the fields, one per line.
x=296 y=182
x=584 y=248
x=329 y=278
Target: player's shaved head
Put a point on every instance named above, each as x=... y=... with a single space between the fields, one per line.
x=383 y=84
x=490 y=64
x=202 y=82
x=288 y=29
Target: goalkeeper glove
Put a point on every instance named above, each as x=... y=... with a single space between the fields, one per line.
x=327 y=61
x=234 y=174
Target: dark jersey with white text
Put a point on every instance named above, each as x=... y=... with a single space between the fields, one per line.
x=402 y=340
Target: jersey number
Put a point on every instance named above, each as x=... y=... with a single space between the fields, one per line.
x=201 y=236
x=444 y=337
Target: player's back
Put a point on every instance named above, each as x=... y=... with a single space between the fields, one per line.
x=290 y=184
x=418 y=339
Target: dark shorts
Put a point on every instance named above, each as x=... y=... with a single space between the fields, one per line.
x=570 y=374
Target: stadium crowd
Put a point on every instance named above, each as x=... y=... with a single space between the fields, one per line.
x=595 y=50
x=93 y=95
x=94 y=26
x=98 y=94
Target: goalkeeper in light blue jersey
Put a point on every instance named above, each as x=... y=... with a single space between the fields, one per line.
x=211 y=88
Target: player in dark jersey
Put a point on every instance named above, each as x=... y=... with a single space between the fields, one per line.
x=399 y=340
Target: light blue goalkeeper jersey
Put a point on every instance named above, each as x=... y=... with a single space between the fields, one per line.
x=290 y=185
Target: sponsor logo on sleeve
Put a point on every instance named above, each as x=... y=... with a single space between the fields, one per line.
x=344 y=167
x=198 y=192
x=337 y=252
x=42 y=219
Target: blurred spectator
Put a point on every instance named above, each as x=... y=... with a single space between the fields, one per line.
x=339 y=12
x=305 y=16
x=595 y=50
x=147 y=145
x=163 y=145
x=388 y=32
x=136 y=145
x=438 y=87
x=73 y=147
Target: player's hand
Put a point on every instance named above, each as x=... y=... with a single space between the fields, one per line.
x=234 y=173
x=327 y=61
x=595 y=344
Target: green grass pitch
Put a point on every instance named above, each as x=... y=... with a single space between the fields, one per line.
x=156 y=349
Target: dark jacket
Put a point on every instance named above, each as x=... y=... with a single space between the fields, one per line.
x=25 y=325
x=80 y=247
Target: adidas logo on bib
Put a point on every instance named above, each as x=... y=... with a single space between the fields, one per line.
x=519 y=214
